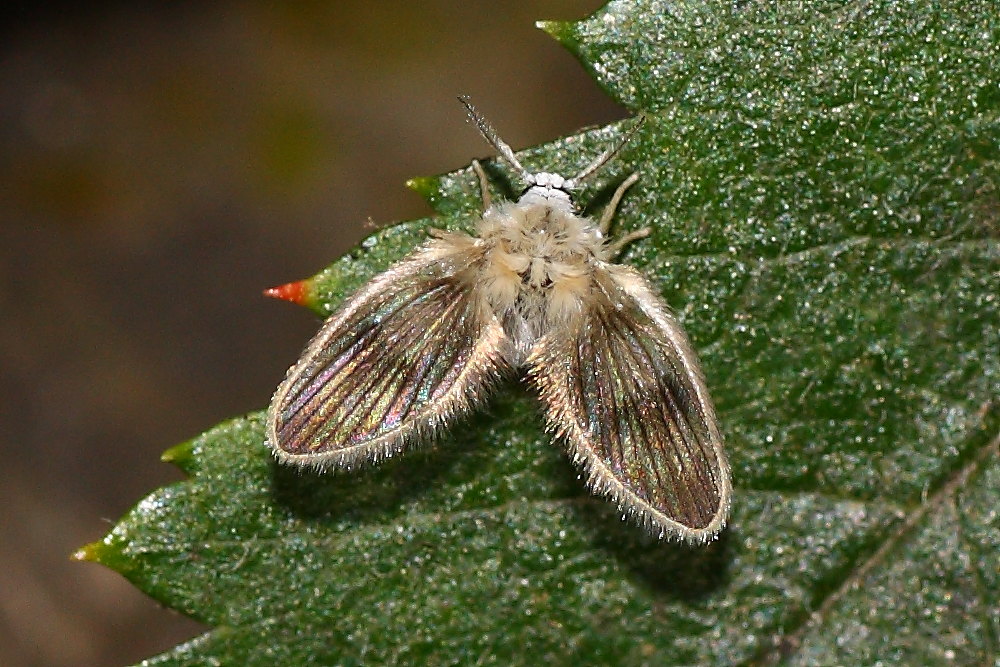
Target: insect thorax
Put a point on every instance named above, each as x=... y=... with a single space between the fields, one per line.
x=539 y=260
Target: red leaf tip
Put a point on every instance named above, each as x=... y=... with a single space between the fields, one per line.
x=296 y=292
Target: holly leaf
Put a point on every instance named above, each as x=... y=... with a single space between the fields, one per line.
x=822 y=181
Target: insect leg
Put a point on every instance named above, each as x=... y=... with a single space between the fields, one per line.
x=609 y=212
x=616 y=246
x=484 y=184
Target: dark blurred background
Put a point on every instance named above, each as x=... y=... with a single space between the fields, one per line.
x=160 y=164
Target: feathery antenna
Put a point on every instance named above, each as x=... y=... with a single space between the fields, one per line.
x=490 y=135
x=603 y=159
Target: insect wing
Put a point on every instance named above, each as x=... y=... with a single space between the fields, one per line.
x=409 y=352
x=623 y=385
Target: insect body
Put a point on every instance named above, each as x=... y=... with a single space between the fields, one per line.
x=535 y=287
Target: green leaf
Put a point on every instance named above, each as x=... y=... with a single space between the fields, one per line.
x=822 y=180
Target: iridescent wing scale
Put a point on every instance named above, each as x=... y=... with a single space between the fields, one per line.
x=412 y=350
x=623 y=386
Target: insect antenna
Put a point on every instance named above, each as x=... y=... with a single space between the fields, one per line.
x=490 y=134
x=605 y=157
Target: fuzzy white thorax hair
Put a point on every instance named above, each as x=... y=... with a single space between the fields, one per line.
x=539 y=257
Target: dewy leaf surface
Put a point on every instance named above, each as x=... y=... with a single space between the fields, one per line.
x=822 y=181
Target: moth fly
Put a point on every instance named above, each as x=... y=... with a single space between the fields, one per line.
x=535 y=288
